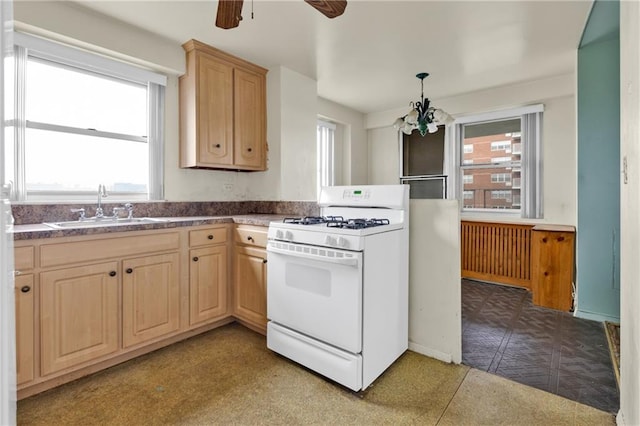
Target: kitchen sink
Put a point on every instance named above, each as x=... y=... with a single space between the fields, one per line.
x=92 y=222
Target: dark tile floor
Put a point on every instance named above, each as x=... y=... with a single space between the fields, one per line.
x=505 y=334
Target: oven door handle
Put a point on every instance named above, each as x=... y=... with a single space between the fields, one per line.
x=351 y=261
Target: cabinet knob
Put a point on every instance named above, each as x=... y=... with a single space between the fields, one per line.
x=217 y=145
x=25 y=289
x=546 y=273
x=195 y=258
x=264 y=260
x=560 y=239
x=250 y=238
x=112 y=273
x=249 y=149
x=129 y=270
x=210 y=237
x=544 y=240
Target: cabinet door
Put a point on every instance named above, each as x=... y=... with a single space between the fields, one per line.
x=150 y=297
x=207 y=283
x=250 y=126
x=250 y=287
x=215 y=111
x=78 y=315
x=24 y=328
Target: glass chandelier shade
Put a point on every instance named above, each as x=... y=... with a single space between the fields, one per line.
x=422 y=115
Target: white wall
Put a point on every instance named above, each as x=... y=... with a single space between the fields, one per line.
x=559 y=137
x=353 y=138
x=292 y=107
x=435 y=321
x=630 y=211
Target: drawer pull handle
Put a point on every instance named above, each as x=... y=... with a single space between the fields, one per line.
x=112 y=273
x=129 y=270
x=210 y=237
x=195 y=258
x=25 y=289
x=249 y=149
x=217 y=145
x=264 y=260
x=560 y=238
x=250 y=238
x=544 y=240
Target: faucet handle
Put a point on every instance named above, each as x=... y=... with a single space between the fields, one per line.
x=129 y=208
x=116 y=210
x=81 y=211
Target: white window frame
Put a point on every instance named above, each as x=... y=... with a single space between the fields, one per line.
x=325 y=154
x=30 y=46
x=531 y=197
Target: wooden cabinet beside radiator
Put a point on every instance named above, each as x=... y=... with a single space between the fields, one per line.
x=552 y=259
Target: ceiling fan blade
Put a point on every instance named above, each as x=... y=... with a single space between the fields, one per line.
x=329 y=8
x=229 y=14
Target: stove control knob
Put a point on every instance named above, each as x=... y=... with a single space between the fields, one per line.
x=329 y=240
x=288 y=235
x=342 y=242
x=279 y=234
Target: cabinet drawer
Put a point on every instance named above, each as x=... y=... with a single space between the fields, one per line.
x=201 y=237
x=90 y=250
x=251 y=235
x=24 y=258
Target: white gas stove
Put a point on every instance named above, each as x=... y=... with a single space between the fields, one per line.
x=337 y=293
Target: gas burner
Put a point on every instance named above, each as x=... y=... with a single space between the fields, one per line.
x=357 y=223
x=307 y=220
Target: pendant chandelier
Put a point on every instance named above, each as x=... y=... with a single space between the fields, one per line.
x=422 y=116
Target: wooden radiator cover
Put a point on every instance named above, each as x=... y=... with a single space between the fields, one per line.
x=498 y=252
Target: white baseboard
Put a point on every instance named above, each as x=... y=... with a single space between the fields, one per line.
x=432 y=353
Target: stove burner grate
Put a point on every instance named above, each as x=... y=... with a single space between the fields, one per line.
x=358 y=223
x=307 y=220
x=336 y=222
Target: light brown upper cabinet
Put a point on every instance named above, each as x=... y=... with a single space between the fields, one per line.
x=223 y=112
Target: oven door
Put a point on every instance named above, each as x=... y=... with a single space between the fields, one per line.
x=316 y=291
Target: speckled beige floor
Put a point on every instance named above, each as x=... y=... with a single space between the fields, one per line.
x=229 y=377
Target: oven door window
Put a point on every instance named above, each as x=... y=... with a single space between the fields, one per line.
x=317 y=293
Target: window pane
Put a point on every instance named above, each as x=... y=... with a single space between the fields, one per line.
x=66 y=162
x=493 y=142
x=491 y=188
x=68 y=97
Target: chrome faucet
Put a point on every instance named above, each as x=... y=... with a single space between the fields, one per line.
x=102 y=193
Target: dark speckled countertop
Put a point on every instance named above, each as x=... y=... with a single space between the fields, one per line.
x=40 y=230
x=30 y=218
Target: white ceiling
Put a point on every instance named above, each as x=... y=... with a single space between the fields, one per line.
x=367 y=58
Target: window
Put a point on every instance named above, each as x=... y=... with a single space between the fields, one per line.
x=468 y=149
x=101 y=122
x=325 y=157
x=500 y=177
x=501 y=195
x=501 y=145
x=468 y=195
x=515 y=133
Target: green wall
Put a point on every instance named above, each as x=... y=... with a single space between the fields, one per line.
x=598 y=231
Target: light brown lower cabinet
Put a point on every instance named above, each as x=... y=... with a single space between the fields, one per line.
x=552 y=257
x=250 y=285
x=78 y=315
x=86 y=303
x=150 y=297
x=25 y=322
x=207 y=283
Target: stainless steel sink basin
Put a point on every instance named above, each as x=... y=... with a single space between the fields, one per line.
x=92 y=222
